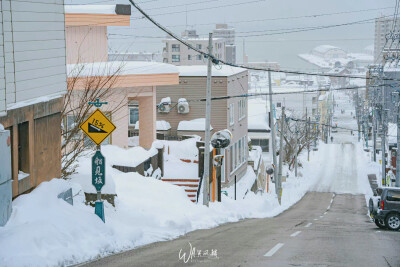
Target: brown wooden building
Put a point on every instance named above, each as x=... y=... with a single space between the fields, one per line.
x=230 y=113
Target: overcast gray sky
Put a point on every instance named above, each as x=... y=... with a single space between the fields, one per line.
x=282 y=48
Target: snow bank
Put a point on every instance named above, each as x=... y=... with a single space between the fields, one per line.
x=195 y=125
x=160 y=125
x=114 y=155
x=176 y=150
x=46 y=231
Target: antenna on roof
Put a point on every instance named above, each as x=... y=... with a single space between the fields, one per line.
x=186 y=19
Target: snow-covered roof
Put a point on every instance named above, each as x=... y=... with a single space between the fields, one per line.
x=325 y=48
x=90 y=9
x=257 y=115
x=119 y=68
x=160 y=125
x=392 y=133
x=201 y=70
x=193 y=125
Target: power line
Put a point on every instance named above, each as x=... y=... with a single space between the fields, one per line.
x=219 y=61
x=281 y=93
x=280 y=18
x=203 y=8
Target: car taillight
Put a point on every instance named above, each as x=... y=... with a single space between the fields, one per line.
x=381 y=204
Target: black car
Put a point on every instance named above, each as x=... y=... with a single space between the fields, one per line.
x=385 y=208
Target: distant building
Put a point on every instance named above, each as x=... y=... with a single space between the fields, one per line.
x=263 y=65
x=329 y=52
x=187 y=118
x=228 y=34
x=135 y=56
x=383 y=26
x=178 y=54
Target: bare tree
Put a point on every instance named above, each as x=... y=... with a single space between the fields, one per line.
x=84 y=85
x=296 y=134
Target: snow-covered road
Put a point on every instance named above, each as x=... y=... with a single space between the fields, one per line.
x=341 y=157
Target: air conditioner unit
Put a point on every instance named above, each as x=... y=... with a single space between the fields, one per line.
x=164 y=106
x=183 y=106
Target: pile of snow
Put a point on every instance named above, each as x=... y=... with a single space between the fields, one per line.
x=133 y=141
x=166 y=101
x=258 y=115
x=160 y=125
x=176 y=150
x=114 y=155
x=196 y=125
x=201 y=71
x=90 y=9
x=22 y=175
x=255 y=154
x=1 y=127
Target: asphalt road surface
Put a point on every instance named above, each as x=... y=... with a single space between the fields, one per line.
x=328 y=227
x=308 y=234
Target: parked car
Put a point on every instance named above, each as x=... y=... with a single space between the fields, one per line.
x=385 y=208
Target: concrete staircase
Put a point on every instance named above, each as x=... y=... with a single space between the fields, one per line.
x=189 y=185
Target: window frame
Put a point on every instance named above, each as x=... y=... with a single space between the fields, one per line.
x=176 y=59
x=231 y=114
x=129 y=108
x=175 y=48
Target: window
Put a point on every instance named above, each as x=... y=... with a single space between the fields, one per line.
x=176 y=58
x=232 y=156
x=69 y=125
x=242 y=108
x=393 y=196
x=263 y=143
x=245 y=148
x=189 y=57
x=237 y=152
x=198 y=46
x=240 y=145
x=176 y=48
x=133 y=115
x=198 y=57
x=279 y=104
x=231 y=114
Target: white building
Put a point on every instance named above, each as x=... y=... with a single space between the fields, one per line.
x=329 y=52
x=228 y=34
x=383 y=26
x=33 y=81
x=135 y=56
x=178 y=54
x=259 y=126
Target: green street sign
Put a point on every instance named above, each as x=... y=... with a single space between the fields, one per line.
x=98 y=170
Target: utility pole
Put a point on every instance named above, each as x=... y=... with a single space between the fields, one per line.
x=273 y=133
x=374 y=129
x=206 y=175
x=296 y=151
x=278 y=183
x=383 y=116
x=398 y=147
x=358 y=117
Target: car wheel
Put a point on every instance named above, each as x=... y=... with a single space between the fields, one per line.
x=393 y=221
x=380 y=223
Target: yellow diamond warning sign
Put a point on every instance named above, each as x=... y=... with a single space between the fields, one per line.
x=97 y=127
